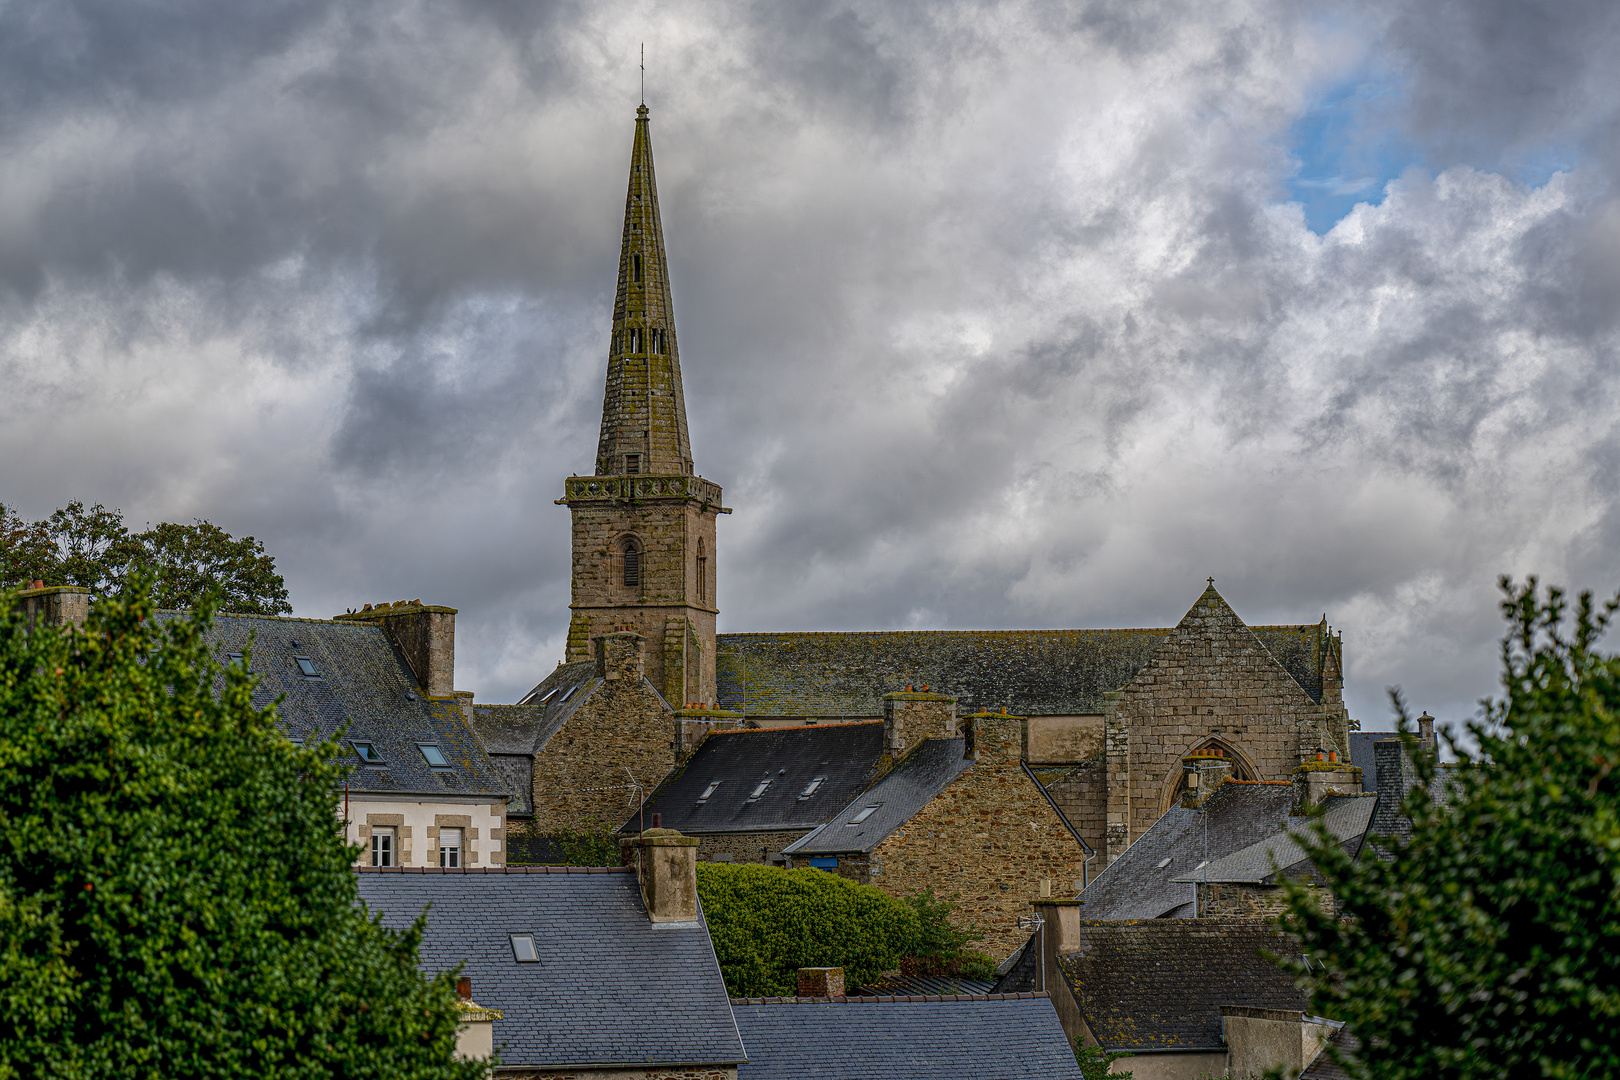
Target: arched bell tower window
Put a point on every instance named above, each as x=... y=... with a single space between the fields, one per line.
x=702 y=572
x=632 y=565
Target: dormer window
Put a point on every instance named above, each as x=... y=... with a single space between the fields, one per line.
x=709 y=791
x=810 y=788
x=866 y=812
x=306 y=666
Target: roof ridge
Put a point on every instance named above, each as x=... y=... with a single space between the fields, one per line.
x=792 y=727
x=954 y=630
x=888 y=999
x=550 y=869
x=254 y=615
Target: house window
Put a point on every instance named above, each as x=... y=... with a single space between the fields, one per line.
x=523 y=950
x=758 y=790
x=866 y=812
x=822 y=864
x=367 y=753
x=632 y=464
x=632 y=565
x=449 y=847
x=710 y=790
x=810 y=788
x=233 y=658
x=433 y=755
x=306 y=666
x=382 y=846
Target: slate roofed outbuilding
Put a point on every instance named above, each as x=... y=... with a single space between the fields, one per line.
x=610 y=987
x=892 y=801
x=808 y=773
x=1159 y=984
x=1141 y=883
x=363 y=685
x=1030 y=672
x=526 y=727
x=1346 y=819
x=978 y=1038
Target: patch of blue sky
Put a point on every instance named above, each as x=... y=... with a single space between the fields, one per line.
x=1347 y=146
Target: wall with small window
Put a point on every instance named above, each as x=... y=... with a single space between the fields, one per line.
x=447 y=835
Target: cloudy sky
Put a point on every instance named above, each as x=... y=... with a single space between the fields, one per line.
x=991 y=314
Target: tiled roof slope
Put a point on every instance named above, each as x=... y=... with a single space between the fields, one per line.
x=1346 y=819
x=1136 y=886
x=611 y=988
x=1159 y=984
x=525 y=728
x=363 y=684
x=1324 y=1067
x=923 y=986
x=906 y=789
x=845 y=757
x=1030 y=672
x=976 y=1039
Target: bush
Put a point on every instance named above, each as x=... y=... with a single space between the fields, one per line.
x=941 y=946
x=767 y=923
x=176 y=897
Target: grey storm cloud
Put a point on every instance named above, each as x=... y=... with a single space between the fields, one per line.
x=991 y=314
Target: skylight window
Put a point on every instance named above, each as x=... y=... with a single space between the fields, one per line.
x=307 y=666
x=1163 y=863
x=866 y=812
x=523 y=949
x=810 y=788
x=435 y=757
x=710 y=790
x=233 y=658
x=367 y=753
x=759 y=790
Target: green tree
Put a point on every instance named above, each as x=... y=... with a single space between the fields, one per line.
x=767 y=923
x=1096 y=1063
x=92 y=549
x=176 y=896
x=941 y=945
x=1488 y=943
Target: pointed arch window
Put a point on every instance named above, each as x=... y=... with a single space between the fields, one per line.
x=702 y=572
x=632 y=565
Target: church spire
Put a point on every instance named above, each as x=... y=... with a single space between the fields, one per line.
x=643 y=408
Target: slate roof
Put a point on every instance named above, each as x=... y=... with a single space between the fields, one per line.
x=1159 y=984
x=363 y=682
x=525 y=728
x=1135 y=886
x=1030 y=672
x=1020 y=971
x=924 y=985
x=979 y=1038
x=1323 y=1067
x=1347 y=819
x=844 y=756
x=611 y=987
x=906 y=789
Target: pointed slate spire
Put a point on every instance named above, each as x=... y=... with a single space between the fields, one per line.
x=643 y=408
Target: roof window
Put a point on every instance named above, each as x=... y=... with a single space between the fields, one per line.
x=306 y=666
x=523 y=949
x=710 y=790
x=367 y=753
x=435 y=757
x=566 y=694
x=810 y=788
x=866 y=812
x=758 y=790
x=1163 y=863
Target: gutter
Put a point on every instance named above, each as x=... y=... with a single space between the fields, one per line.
x=1091 y=853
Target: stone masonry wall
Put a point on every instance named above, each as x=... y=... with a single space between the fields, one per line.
x=579 y=777
x=751 y=847
x=990 y=837
x=666 y=607
x=1081 y=792
x=667 y=1072
x=1244 y=900
x=1210 y=677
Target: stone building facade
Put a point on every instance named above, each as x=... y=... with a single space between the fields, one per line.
x=644 y=551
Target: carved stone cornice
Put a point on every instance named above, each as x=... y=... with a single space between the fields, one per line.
x=586 y=490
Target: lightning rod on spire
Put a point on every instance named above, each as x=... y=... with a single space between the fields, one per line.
x=644 y=73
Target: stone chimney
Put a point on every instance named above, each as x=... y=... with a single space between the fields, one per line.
x=666 y=865
x=1059 y=935
x=910 y=716
x=1426 y=732
x=475 y=1034
x=53 y=605
x=1259 y=1041
x=425 y=636
x=1315 y=780
x=1204 y=771
x=619 y=656
x=821 y=982
x=994 y=737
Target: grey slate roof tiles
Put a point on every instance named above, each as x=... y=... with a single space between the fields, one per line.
x=525 y=728
x=1030 y=672
x=364 y=683
x=906 y=789
x=611 y=987
x=844 y=757
x=1159 y=984
x=1346 y=819
x=979 y=1038
x=1141 y=883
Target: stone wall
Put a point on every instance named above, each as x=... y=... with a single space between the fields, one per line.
x=1081 y=792
x=1241 y=899
x=990 y=836
x=663 y=1072
x=580 y=776
x=1210 y=678
x=750 y=847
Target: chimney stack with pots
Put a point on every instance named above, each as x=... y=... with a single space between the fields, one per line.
x=425 y=635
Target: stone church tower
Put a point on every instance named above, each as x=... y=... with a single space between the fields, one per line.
x=644 y=543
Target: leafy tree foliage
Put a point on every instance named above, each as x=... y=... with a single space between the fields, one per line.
x=1096 y=1063
x=767 y=923
x=176 y=897
x=1488 y=943
x=941 y=945
x=92 y=549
